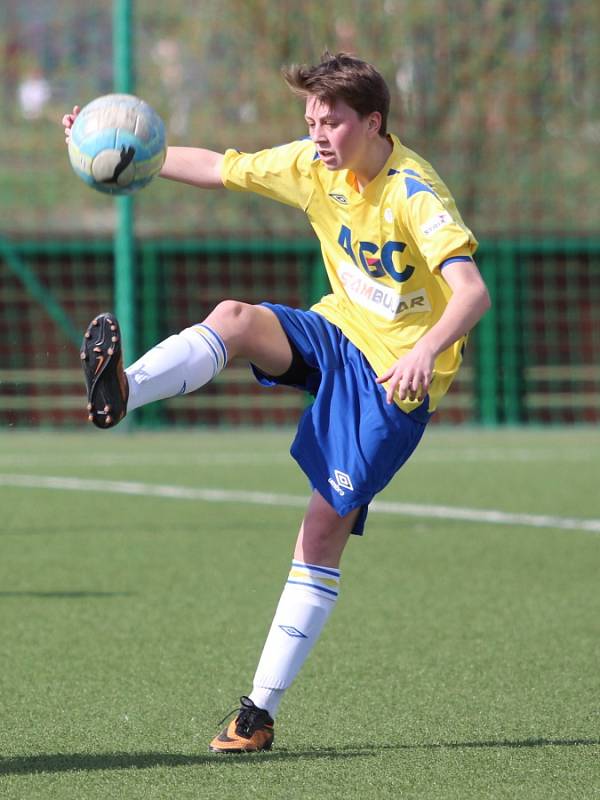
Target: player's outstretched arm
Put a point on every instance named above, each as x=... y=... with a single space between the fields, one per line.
x=193 y=165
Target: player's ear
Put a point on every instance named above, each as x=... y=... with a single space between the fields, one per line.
x=374 y=123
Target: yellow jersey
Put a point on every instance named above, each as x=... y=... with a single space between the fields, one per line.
x=383 y=248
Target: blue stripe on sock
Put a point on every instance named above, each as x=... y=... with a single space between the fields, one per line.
x=314 y=586
x=326 y=570
x=219 y=341
x=213 y=351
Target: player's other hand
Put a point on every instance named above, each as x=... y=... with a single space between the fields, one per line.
x=411 y=375
x=68 y=120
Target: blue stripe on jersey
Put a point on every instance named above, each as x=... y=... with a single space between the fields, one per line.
x=414 y=186
x=314 y=586
x=453 y=259
x=314 y=567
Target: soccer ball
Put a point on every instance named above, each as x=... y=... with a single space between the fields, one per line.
x=117 y=144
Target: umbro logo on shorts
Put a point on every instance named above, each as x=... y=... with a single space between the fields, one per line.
x=341 y=482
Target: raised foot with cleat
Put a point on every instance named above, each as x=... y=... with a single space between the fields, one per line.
x=102 y=362
x=250 y=732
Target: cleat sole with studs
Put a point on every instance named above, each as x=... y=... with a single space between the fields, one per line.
x=102 y=363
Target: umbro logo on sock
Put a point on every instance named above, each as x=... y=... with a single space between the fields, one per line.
x=293 y=632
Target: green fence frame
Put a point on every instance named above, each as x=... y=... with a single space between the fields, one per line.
x=502 y=340
x=498 y=344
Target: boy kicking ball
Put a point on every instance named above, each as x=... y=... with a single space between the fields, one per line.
x=377 y=354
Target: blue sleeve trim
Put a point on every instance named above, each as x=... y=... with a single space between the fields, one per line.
x=453 y=259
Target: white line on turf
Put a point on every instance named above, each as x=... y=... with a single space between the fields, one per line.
x=151 y=459
x=288 y=500
x=473 y=455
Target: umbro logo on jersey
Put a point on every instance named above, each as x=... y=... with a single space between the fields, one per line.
x=340 y=198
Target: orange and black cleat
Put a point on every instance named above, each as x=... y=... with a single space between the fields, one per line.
x=102 y=362
x=249 y=732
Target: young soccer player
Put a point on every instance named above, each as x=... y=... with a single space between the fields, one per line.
x=378 y=353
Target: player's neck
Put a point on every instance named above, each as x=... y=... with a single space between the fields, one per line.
x=374 y=162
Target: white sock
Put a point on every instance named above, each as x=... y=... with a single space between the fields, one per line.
x=179 y=365
x=268 y=699
x=307 y=601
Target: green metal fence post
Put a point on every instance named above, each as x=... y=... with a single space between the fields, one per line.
x=151 y=416
x=487 y=343
x=124 y=238
x=512 y=265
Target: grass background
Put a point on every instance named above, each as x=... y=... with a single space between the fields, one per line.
x=461 y=662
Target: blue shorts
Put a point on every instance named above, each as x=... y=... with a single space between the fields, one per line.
x=350 y=442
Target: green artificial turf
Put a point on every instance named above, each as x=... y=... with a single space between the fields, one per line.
x=462 y=660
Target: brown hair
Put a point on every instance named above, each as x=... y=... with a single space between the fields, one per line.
x=342 y=77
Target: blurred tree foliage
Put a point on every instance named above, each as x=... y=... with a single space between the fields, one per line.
x=501 y=96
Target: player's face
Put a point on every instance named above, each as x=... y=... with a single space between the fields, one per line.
x=340 y=135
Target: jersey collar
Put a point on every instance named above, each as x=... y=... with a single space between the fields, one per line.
x=373 y=189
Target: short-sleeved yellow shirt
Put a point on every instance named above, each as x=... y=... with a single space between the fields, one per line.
x=383 y=248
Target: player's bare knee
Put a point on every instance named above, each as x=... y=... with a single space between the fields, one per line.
x=233 y=320
x=231 y=312
x=246 y=331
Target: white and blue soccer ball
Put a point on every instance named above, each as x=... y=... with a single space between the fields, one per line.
x=117 y=144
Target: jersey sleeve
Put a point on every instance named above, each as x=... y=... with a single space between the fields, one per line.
x=435 y=224
x=281 y=173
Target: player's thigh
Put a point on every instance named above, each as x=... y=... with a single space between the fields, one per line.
x=252 y=332
x=323 y=533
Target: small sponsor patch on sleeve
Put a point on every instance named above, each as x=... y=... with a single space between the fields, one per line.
x=436 y=223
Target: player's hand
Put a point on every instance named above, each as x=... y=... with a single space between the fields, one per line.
x=411 y=375
x=68 y=120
